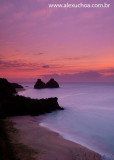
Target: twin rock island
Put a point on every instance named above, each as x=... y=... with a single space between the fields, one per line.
x=50 y=84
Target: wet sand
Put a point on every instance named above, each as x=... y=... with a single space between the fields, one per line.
x=50 y=145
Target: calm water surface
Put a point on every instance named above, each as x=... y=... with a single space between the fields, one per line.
x=88 y=117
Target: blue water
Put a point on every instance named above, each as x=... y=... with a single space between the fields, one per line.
x=88 y=117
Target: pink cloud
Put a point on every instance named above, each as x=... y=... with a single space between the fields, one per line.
x=19 y=15
x=75 y=39
x=43 y=12
x=5 y=7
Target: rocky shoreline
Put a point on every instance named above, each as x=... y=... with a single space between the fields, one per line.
x=12 y=104
x=24 y=132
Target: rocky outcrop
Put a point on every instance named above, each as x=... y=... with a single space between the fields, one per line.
x=6 y=88
x=12 y=104
x=39 y=84
x=16 y=85
x=20 y=105
x=52 y=84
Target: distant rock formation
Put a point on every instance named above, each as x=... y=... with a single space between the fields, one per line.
x=39 y=84
x=52 y=84
x=16 y=85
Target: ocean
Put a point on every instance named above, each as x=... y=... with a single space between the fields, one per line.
x=88 y=115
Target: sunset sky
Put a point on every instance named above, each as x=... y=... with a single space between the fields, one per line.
x=68 y=44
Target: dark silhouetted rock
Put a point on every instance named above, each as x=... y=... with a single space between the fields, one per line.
x=39 y=84
x=20 y=105
x=52 y=84
x=6 y=88
x=16 y=85
x=12 y=104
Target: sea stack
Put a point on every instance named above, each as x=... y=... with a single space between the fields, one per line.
x=39 y=84
x=52 y=84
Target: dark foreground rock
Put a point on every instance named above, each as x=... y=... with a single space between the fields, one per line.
x=20 y=105
x=5 y=146
x=6 y=88
x=39 y=84
x=15 y=105
x=52 y=84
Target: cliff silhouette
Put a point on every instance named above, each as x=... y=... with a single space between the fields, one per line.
x=12 y=104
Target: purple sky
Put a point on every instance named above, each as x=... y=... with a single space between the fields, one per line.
x=69 y=44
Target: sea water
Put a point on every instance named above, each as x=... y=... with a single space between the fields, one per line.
x=88 y=115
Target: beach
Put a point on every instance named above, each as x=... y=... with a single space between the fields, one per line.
x=48 y=145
